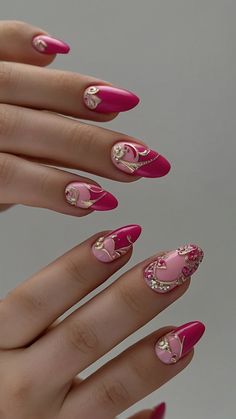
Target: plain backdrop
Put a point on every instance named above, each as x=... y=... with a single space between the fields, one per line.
x=179 y=57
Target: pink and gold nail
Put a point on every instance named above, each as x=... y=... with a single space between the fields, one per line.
x=88 y=196
x=173 y=346
x=173 y=268
x=116 y=243
x=48 y=45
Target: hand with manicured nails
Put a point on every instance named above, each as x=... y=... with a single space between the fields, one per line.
x=41 y=354
x=37 y=131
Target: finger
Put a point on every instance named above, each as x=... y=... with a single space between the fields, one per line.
x=61 y=91
x=66 y=142
x=134 y=374
x=27 y=183
x=32 y=306
x=122 y=308
x=22 y=44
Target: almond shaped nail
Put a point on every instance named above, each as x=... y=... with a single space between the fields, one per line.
x=173 y=346
x=173 y=269
x=159 y=411
x=108 y=99
x=116 y=243
x=49 y=45
x=84 y=195
x=139 y=160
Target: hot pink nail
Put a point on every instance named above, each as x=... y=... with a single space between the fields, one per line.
x=137 y=159
x=173 y=269
x=84 y=195
x=159 y=412
x=177 y=343
x=48 y=45
x=108 y=99
x=117 y=243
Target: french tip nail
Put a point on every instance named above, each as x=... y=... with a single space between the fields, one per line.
x=179 y=342
x=49 y=45
x=109 y=99
x=159 y=411
x=116 y=243
x=137 y=159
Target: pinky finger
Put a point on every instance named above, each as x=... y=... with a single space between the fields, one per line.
x=32 y=184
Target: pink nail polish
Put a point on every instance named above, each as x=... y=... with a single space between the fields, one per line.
x=48 y=45
x=84 y=195
x=159 y=411
x=108 y=99
x=117 y=243
x=173 y=269
x=177 y=343
x=139 y=160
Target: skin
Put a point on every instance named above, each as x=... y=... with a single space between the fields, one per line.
x=40 y=354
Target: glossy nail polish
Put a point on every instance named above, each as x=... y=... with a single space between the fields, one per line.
x=139 y=160
x=84 y=195
x=159 y=412
x=116 y=244
x=108 y=99
x=48 y=45
x=173 y=268
x=177 y=343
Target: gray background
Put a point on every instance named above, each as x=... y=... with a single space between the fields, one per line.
x=179 y=56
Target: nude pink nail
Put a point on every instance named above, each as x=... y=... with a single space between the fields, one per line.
x=173 y=268
x=117 y=243
x=159 y=411
x=139 y=160
x=177 y=343
x=48 y=45
x=108 y=99
x=84 y=195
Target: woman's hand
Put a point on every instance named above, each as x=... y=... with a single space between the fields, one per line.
x=36 y=133
x=41 y=354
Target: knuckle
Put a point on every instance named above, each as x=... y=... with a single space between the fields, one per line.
x=6 y=169
x=74 y=270
x=81 y=138
x=131 y=298
x=28 y=302
x=112 y=393
x=6 y=78
x=82 y=337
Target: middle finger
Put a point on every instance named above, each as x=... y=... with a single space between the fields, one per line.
x=69 y=143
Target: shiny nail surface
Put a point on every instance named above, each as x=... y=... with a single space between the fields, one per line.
x=108 y=99
x=173 y=346
x=139 y=160
x=173 y=268
x=159 y=412
x=48 y=45
x=116 y=243
x=87 y=196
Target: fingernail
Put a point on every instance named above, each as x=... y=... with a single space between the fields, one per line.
x=117 y=243
x=48 y=45
x=171 y=270
x=108 y=99
x=84 y=195
x=177 y=343
x=139 y=160
x=159 y=412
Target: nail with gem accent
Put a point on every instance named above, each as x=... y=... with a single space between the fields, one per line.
x=84 y=195
x=139 y=160
x=177 y=343
x=159 y=411
x=116 y=243
x=49 y=45
x=108 y=99
x=173 y=268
